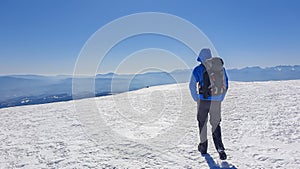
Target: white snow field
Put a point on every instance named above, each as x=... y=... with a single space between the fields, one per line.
x=155 y=127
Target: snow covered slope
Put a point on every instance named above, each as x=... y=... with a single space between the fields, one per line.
x=155 y=127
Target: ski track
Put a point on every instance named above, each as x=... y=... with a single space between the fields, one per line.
x=260 y=128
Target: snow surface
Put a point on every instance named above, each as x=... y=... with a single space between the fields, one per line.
x=155 y=127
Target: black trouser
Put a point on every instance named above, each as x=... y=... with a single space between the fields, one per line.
x=214 y=110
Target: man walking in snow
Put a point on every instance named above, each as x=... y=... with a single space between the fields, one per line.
x=208 y=86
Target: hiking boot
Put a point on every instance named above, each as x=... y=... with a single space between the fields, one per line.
x=202 y=148
x=222 y=154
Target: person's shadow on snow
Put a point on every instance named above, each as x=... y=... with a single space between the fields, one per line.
x=212 y=164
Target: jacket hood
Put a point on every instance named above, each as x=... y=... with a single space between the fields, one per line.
x=204 y=55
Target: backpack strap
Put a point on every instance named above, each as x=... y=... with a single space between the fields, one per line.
x=204 y=88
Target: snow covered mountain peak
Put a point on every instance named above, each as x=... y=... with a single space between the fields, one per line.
x=260 y=124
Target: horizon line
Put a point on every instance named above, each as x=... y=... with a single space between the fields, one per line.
x=111 y=72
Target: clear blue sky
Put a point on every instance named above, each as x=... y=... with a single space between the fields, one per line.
x=46 y=36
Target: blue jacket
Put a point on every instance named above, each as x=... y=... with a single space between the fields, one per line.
x=197 y=77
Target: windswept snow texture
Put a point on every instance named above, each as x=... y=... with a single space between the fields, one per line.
x=260 y=124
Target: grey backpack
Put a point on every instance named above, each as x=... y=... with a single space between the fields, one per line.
x=213 y=78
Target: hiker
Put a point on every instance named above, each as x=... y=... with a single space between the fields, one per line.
x=208 y=86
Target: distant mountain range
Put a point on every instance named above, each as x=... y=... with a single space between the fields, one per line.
x=265 y=74
x=16 y=90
